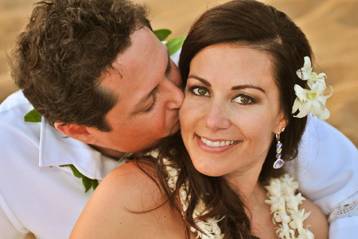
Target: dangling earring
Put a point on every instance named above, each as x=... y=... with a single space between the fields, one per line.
x=279 y=162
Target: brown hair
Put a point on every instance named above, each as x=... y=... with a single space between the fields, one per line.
x=267 y=29
x=64 y=49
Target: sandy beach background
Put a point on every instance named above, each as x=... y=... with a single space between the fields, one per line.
x=330 y=25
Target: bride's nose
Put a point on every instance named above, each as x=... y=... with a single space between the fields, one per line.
x=217 y=117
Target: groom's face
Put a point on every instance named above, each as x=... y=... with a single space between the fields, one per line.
x=147 y=86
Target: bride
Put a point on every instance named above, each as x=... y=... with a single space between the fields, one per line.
x=249 y=86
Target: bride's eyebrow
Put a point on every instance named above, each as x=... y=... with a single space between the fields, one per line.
x=240 y=87
x=237 y=87
x=202 y=80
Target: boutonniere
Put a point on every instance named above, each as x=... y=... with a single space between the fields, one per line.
x=87 y=182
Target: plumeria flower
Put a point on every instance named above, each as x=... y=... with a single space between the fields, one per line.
x=306 y=234
x=285 y=232
x=277 y=203
x=289 y=185
x=295 y=201
x=153 y=153
x=311 y=100
x=200 y=209
x=210 y=228
x=288 y=181
x=298 y=217
x=305 y=72
x=275 y=187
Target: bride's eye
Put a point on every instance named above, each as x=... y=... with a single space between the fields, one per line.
x=199 y=91
x=244 y=100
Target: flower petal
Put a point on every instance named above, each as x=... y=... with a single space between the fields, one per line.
x=296 y=106
x=300 y=92
x=304 y=110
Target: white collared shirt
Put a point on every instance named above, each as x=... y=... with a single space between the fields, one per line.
x=38 y=195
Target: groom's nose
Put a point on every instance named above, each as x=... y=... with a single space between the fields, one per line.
x=175 y=76
x=175 y=95
x=174 y=88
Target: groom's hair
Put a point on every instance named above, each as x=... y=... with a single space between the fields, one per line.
x=63 y=51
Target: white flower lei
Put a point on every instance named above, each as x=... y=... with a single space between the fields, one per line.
x=209 y=229
x=284 y=207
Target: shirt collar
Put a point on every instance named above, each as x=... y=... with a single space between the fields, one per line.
x=56 y=149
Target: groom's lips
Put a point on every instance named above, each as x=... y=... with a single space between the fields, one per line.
x=175 y=127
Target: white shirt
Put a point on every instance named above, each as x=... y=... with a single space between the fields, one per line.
x=36 y=194
x=327 y=171
x=39 y=196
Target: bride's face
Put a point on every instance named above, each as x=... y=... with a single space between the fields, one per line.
x=231 y=110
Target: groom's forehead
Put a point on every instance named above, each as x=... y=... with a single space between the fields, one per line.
x=138 y=69
x=145 y=52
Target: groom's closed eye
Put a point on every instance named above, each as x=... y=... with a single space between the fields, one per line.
x=152 y=102
x=146 y=103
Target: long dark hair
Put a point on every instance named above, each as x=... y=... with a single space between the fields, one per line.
x=264 y=28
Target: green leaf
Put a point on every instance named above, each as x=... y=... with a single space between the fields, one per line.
x=32 y=116
x=87 y=183
x=175 y=44
x=162 y=34
x=94 y=184
x=75 y=171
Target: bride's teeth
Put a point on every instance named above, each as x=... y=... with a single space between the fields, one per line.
x=216 y=143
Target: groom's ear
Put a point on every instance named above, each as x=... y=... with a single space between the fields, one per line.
x=76 y=131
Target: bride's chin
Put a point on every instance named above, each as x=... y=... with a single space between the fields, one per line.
x=207 y=170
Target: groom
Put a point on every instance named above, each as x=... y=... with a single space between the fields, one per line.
x=105 y=85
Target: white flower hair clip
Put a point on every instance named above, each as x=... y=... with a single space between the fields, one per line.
x=311 y=100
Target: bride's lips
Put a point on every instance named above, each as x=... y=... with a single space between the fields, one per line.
x=215 y=145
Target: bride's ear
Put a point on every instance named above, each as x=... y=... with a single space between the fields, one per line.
x=281 y=123
x=76 y=131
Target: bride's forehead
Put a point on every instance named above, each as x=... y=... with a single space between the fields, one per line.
x=232 y=65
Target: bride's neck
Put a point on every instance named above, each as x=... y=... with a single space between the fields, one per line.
x=247 y=186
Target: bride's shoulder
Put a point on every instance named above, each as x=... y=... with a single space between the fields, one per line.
x=317 y=221
x=127 y=198
x=133 y=184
